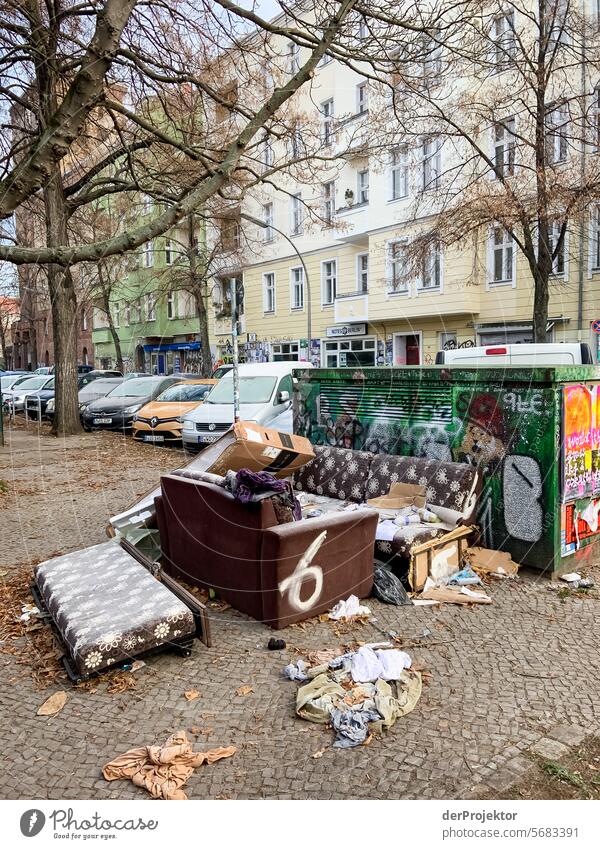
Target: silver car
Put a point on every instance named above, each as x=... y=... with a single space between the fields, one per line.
x=14 y=398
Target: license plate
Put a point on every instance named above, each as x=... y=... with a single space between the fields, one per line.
x=153 y=437
x=102 y=421
x=207 y=438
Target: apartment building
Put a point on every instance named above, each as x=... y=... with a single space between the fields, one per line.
x=331 y=281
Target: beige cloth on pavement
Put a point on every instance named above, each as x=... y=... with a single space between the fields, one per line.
x=163 y=770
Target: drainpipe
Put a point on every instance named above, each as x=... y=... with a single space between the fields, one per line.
x=236 y=361
x=582 y=174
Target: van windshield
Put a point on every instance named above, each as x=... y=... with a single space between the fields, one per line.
x=253 y=390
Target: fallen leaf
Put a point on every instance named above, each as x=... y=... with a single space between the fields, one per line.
x=319 y=754
x=243 y=690
x=53 y=705
x=191 y=695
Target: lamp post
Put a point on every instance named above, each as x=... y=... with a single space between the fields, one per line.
x=234 y=339
x=266 y=226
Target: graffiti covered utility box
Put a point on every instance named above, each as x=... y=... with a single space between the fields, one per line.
x=534 y=432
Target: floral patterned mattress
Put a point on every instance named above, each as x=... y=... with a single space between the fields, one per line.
x=108 y=607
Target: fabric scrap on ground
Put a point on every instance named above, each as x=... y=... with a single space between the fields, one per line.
x=163 y=770
x=296 y=671
x=369 y=665
x=348 y=609
x=351 y=726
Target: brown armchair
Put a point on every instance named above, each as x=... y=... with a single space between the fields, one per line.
x=210 y=540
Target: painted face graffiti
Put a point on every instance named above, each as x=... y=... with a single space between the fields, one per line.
x=485 y=440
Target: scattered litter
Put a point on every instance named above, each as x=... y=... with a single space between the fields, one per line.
x=244 y=690
x=53 y=705
x=319 y=754
x=498 y=563
x=425 y=602
x=387 y=587
x=163 y=770
x=369 y=665
x=27 y=611
x=318 y=658
x=191 y=695
x=464 y=577
x=348 y=609
x=571 y=577
x=454 y=595
x=137 y=664
x=576 y=582
x=296 y=671
x=351 y=726
x=275 y=645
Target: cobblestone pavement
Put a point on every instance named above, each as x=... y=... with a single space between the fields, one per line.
x=503 y=678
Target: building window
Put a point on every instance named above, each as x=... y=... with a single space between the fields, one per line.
x=432 y=56
x=127 y=314
x=297 y=143
x=269 y=292
x=558 y=261
x=148 y=204
x=557 y=122
x=399 y=172
x=595 y=237
x=168 y=252
x=328 y=201
x=362 y=98
x=285 y=351
x=150 y=308
x=267 y=152
x=297 y=214
x=171 y=305
x=349 y=353
x=328 y=281
x=447 y=340
x=297 y=288
x=362 y=273
x=596 y=116
x=503 y=36
x=431 y=163
x=269 y=233
x=431 y=269
x=137 y=315
x=363 y=186
x=84 y=320
x=327 y=122
x=117 y=314
x=397 y=269
x=148 y=255
x=504 y=148
x=293 y=57
x=363 y=30
x=325 y=60
x=557 y=23
x=503 y=256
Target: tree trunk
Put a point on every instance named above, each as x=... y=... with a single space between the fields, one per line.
x=198 y=287
x=63 y=299
x=540 y=307
x=3 y=344
x=111 y=325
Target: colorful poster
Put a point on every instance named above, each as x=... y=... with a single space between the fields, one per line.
x=578 y=439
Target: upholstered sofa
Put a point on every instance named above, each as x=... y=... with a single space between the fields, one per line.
x=210 y=540
x=338 y=474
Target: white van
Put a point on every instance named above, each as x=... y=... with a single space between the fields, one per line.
x=525 y=354
x=265 y=395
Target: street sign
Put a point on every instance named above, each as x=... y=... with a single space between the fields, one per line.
x=596 y=325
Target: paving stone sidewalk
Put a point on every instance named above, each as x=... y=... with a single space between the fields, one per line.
x=503 y=678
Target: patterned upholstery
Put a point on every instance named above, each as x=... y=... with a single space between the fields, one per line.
x=405 y=538
x=446 y=484
x=337 y=473
x=108 y=607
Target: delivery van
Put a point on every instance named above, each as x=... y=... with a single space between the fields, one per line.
x=265 y=395
x=524 y=354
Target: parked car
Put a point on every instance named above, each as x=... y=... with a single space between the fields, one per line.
x=94 y=390
x=160 y=420
x=265 y=393
x=131 y=374
x=40 y=404
x=44 y=370
x=116 y=410
x=9 y=379
x=221 y=371
x=14 y=398
x=525 y=354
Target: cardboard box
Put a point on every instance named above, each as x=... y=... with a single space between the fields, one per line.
x=400 y=495
x=249 y=446
x=439 y=557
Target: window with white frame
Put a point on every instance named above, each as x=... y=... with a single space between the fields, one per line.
x=297 y=288
x=432 y=56
x=327 y=117
x=137 y=311
x=150 y=307
x=362 y=184
x=557 y=124
x=558 y=258
x=502 y=256
x=116 y=314
x=267 y=152
x=399 y=172
x=297 y=214
x=447 y=340
x=362 y=273
x=168 y=252
x=328 y=281
x=148 y=255
x=431 y=163
x=171 y=305
x=595 y=134
x=268 y=233
x=431 y=268
x=362 y=97
x=504 y=147
x=595 y=237
x=293 y=58
x=148 y=204
x=127 y=314
x=84 y=320
x=557 y=23
x=503 y=36
x=269 y=292
x=363 y=30
x=297 y=143
x=397 y=276
x=329 y=201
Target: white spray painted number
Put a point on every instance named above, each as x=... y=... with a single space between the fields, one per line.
x=305 y=572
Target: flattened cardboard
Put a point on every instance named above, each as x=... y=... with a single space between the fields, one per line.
x=260 y=449
x=450 y=596
x=400 y=495
x=444 y=556
x=491 y=562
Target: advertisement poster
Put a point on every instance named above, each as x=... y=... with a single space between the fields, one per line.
x=580 y=441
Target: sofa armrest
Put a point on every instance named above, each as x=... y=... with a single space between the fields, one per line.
x=342 y=566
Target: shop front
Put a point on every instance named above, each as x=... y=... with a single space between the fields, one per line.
x=348 y=346
x=173 y=357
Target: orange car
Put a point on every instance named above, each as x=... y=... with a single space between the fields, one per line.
x=160 y=420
